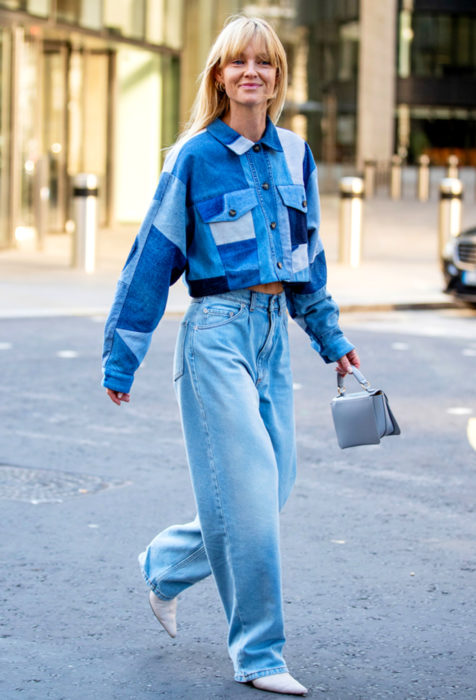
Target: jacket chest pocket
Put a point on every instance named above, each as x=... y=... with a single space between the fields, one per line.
x=294 y=199
x=230 y=216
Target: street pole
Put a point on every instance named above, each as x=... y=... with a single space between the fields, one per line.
x=369 y=177
x=452 y=167
x=350 y=220
x=85 y=194
x=396 y=178
x=423 y=186
x=450 y=211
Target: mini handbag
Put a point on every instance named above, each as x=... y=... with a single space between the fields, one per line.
x=364 y=417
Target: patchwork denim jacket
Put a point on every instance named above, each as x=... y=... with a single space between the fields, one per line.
x=229 y=213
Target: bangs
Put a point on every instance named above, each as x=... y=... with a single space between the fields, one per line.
x=236 y=44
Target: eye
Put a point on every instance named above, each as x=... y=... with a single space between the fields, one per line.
x=237 y=61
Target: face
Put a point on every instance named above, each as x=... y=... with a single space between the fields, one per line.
x=249 y=79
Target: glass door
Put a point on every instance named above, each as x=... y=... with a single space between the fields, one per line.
x=90 y=120
x=52 y=169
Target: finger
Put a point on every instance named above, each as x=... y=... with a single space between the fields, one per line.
x=113 y=396
x=354 y=358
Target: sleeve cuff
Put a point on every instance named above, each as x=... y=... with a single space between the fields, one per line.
x=118 y=382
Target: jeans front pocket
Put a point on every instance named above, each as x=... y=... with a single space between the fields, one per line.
x=218 y=313
x=180 y=351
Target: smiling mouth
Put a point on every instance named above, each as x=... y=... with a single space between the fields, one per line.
x=250 y=85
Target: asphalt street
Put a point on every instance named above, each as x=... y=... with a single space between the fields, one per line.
x=378 y=542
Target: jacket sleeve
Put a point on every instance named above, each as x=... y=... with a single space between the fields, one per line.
x=309 y=302
x=157 y=259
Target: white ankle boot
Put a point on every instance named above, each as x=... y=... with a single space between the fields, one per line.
x=280 y=683
x=165 y=611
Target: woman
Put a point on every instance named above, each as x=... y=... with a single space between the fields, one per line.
x=237 y=210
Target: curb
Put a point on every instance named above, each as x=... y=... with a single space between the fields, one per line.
x=177 y=313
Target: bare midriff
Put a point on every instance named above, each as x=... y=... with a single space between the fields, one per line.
x=268 y=288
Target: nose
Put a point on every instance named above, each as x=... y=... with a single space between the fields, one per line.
x=250 y=68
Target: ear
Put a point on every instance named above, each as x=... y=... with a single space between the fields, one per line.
x=218 y=74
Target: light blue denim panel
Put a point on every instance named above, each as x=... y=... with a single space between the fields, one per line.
x=294 y=148
x=170 y=219
x=316 y=245
x=300 y=259
x=231 y=232
x=241 y=145
x=137 y=342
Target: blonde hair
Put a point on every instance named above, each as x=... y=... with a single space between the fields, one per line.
x=239 y=31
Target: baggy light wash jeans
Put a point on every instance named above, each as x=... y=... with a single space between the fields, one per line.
x=234 y=386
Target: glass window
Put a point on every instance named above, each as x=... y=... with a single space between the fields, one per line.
x=173 y=22
x=91 y=14
x=349 y=50
x=164 y=22
x=41 y=8
x=68 y=10
x=155 y=25
x=437 y=45
x=125 y=17
x=440 y=132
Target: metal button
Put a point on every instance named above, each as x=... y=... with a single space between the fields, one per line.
x=265 y=185
x=256 y=147
x=273 y=224
x=232 y=212
x=304 y=202
x=280 y=265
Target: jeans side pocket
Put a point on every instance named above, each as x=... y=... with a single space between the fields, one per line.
x=179 y=351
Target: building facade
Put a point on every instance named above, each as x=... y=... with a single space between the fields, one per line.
x=82 y=89
x=104 y=86
x=390 y=77
x=436 y=84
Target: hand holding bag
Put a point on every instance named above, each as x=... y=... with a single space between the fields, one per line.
x=364 y=417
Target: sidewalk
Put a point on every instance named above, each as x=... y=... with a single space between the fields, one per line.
x=400 y=266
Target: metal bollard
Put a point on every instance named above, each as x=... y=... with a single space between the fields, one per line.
x=396 y=177
x=85 y=194
x=369 y=177
x=452 y=167
x=350 y=220
x=423 y=184
x=449 y=219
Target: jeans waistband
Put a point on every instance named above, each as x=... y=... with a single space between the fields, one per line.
x=248 y=297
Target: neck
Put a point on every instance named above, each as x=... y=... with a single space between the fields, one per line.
x=249 y=123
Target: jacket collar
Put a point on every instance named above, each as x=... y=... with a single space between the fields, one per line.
x=239 y=144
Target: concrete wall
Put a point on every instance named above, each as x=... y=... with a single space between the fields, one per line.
x=376 y=86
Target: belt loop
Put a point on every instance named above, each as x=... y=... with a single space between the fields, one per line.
x=252 y=301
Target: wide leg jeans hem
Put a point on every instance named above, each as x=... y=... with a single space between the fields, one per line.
x=246 y=677
x=154 y=588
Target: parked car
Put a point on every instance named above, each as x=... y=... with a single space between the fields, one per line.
x=459 y=266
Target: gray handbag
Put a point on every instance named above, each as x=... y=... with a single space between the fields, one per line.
x=364 y=417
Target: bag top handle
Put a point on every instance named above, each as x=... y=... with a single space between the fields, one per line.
x=357 y=374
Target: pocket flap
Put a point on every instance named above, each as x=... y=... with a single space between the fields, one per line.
x=293 y=196
x=227 y=207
